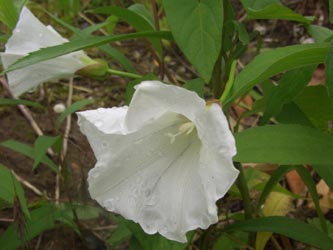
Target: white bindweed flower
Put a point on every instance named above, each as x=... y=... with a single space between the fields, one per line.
x=163 y=161
x=31 y=35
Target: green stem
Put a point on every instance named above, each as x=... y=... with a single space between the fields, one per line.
x=122 y=73
x=244 y=190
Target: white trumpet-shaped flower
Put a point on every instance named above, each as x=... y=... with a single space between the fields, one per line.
x=31 y=35
x=163 y=161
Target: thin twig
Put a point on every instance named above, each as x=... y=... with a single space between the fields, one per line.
x=65 y=141
x=6 y=220
x=26 y=113
x=29 y=185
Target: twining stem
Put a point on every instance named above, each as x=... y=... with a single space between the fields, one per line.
x=244 y=190
x=122 y=73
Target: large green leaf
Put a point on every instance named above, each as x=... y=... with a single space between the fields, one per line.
x=291 y=228
x=132 y=16
x=276 y=61
x=289 y=86
x=75 y=45
x=197 y=29
x=284 y=144
x=314 y=102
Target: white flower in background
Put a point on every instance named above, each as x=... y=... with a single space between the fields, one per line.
x=30 y=35
x=163 y=161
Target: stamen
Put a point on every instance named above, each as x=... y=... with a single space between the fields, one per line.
x=186 y=128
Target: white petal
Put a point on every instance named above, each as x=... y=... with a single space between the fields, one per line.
x=167 y=185
x=22 y=80
x=96 y=124
x=153 y=98
x=31 y=35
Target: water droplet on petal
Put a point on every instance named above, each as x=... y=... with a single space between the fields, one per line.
x=98 y=123
x=94 y=174
x=17 y=30
x=152 y=201
x=109 y=204
x=148 y=192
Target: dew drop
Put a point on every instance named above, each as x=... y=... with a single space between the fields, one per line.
x=109 y=204
x=94 y=175
x=148 y=192
x=98 y=123
x=152 y=201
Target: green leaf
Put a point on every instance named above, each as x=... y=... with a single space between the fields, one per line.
x=71 y=109
x=9 y=12
x=317 y=223
x=307 y=178
x=276 y=61
x=234 y=241
x=195 y=85
x=291 y=228
x=10 y=188
x=84 y=34
x=121 y=234
x=75 y=45
x=12 y=102
x=291 y=114
x=197 y=29
x=41 y=220
x=319 y=114
x=29 y=152
x=277 y=11
x=142 y=11
x=284 y=144
x=319 y=33
x=132 y=17
x=272 y=182
x=289 y=86
x=325 y=172
x=329 y=71
x=42 y=144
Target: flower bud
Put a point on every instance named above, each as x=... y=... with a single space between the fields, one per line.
x=97 y=69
